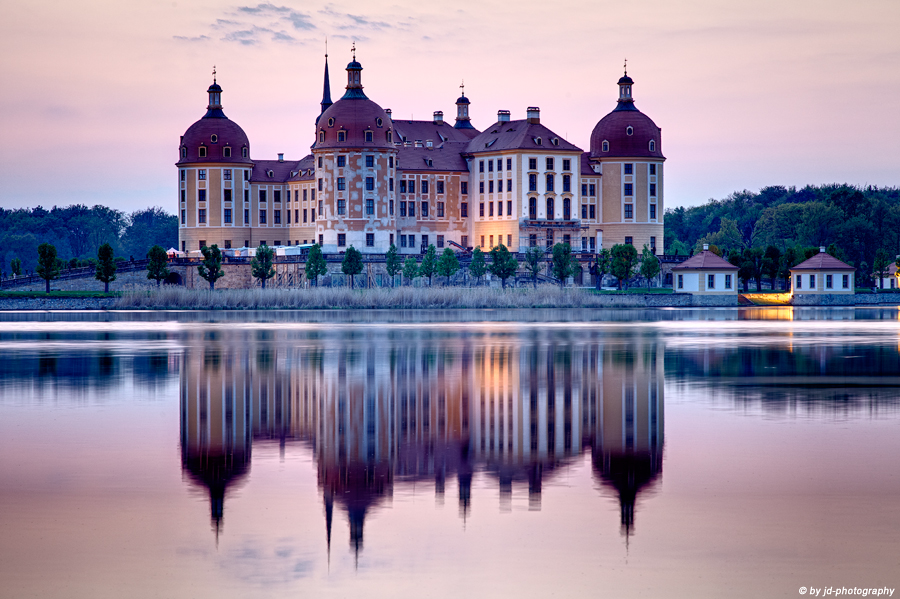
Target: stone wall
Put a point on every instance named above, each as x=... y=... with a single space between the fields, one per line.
x=858 y=299
x=125 y=281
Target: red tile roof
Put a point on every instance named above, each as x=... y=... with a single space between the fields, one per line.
x=705 y=260
x=823 y=261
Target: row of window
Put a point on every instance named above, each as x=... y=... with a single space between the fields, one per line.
x=499 y=240
x=629 y=131
x=549 y=183
x=509 y=209
x=226 y=151
x=629 y=189
x=551 y=209
x=710 y=280
x=369 y=136
x=829 y=282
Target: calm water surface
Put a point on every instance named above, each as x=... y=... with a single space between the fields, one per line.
x=617 y=453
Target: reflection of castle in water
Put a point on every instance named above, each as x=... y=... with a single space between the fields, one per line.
x=392 y=412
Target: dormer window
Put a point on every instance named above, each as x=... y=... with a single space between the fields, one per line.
x=369 y=136
x=214 y=138
x=183 y=152
x=244 y=151
x=605 y=146
x=555 y=141
x=331 y=122
x=629 y=130
x=379 y=122
x=226 y=152
x=270 y=173
x=538 y=141
x=321 y=136
x=202 y=151
x=342 y=136
x=652 y=145
x=390 y=137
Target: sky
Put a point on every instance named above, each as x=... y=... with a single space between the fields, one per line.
x=94 y=94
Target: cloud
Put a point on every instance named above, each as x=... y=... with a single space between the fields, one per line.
x=197 y=38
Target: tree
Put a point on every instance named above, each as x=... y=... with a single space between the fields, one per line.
x=352 y=264
x=47 y=266
x=262 y=266
x=477 y=267
x=157 y=268
x=447 y=264
x=561 y=263
x=315 y=265
x=106 y=266
x=534 y=259
x=410 y=269
x=649 y=264
x=503 y=264
x=211 y=267
x=753 y=258
x=880 y=265
x=789 y=259
x=624 y=259
x=602 y=264
x=771 y=262
x=393 y=264
x=16 y=266
x=429 y=263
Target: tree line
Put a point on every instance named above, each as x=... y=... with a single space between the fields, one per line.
x=49 y=266
x=859 y=225
x=77 y=232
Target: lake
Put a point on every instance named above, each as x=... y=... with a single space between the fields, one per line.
x=735 y=452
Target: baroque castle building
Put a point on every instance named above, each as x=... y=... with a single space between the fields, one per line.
x=372 y=181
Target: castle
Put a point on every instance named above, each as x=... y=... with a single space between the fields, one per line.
x=372 y=181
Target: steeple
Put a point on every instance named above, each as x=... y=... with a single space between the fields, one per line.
x=462 y=110
x=626 y=102
x=214 y=109
x=326 y=89
x=354 y=80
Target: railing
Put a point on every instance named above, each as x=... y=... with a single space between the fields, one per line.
x=74 y=273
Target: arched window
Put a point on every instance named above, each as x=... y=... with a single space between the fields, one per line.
x=244 y=152
x=629 y=130
x=226 y=152
x=605 y=146
x=567 y=209
x=342 y=136
x=368 y=136
x=550 y=208
x=652 y=146
x=390 y=137
x=321 y=136
x=532 y=208
x=202 y=151
x=183 y=152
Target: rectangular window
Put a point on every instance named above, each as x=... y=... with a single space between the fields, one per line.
x=341 y=161
x=440 y=209
x=652 y=210
x=710 y=281
x=440 y=187
x=342 y=207
x=584 y=189
x=549 y=164
x=341 y=184
x=402 y=185
x=592 y=211
x=499 y=164
x=319 y=182
x=592 y=190
x=246 y=216
x=262 y=217
x=184 y=217
x=828 y=282
x=246 y=175
x=370 y=162
x=277 y=195
x=226 y=174
x=342 y=240
x=262 y=195
x=403 y=241
x=402 y=208
x=500 y=185
x=653 y=189
x=584 y=211
x=652 y=169
x=532 y=182
x=481 y=209
x=305 y=198
x=277 y=217
x=246 y=196
x=593 y=243
x=509 y=208
x=201 y=215
x=424 y=186
x=509 y=164
x=508 y=240
x=550 y=179
x=799 y=283
x=812 y=281
x=370 y=239
x=228 y=216
x=532 y=208
x=532 y=164
x=490 y=208
x=532 y=240
x=201 y=174
x=490 y=187
x=727 y=281
x=653 y=244
x=370 y=206
x=499 y=208
x=491 y=241
x=370 y=183
x=201 y=195
x=567 y=165
x=482 y=241
x=183 y=196
x=464 y=210
x=297 y=215
x=567 y=183
x=321 y=210
x=629 y=169
x=227 y=244
x=424 y=209
x=846 y=282
x=584 y=244
x=629 y=241
x=369 y=136
x=304 y=216
x=464 y=188
x=464 y=241
x=481 y=166
x=183 y=175
x=549 y=238
x=412 y=208
x=391 y=207
x=440 y=241
x=509 y=185
x=681 y=281
x=391 y=165
x=629 y=189
x=391 y=184
x=481 y=187
x=412 y=241
x=629 y=210
x=490 y=166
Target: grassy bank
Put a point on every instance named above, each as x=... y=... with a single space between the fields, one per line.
x=57 y=294
x=178 y=298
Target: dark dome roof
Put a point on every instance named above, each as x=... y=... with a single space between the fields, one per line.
x=355 y=115
x=462 y=100
x=614 y=129
x=227 y=134
x=626 y=80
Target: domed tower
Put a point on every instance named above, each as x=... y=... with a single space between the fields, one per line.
x=626 y=150
x=355 y=167
x=213 y=178
x=463 y=121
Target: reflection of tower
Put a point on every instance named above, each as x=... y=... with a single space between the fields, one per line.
x=626 y=415
x=215 y=425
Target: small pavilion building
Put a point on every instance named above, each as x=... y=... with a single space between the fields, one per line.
x=705 y=274
x=823 y=274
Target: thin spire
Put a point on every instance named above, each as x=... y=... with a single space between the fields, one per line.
x=626 y=67
x=353 y=49
x=326 y=88
x=214 y=73
x=462 y=88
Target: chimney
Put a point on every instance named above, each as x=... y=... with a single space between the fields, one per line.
x=502 y=116
x=388 y=111
x=705 y=247
x=280 y=157
x=438 y=117
x=821 y=249
x=534 y=115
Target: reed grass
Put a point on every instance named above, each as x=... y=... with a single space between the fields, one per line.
x=179 y=298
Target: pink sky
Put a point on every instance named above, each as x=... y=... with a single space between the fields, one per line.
x=95 y=94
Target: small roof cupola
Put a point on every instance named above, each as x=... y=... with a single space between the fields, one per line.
x=626 y=101
x=354 y=79
x=214 y=109
x=462 y=111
